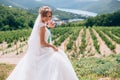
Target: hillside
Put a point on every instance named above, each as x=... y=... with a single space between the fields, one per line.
x=62 y=15
x=15 y=18
x=97 y=6
x=10 y=3
x=112 y=19
x=103 y=6
x=21 y=3
x=33 y=7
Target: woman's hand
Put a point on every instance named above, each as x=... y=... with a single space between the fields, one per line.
x=51 y=24
x=55 y=48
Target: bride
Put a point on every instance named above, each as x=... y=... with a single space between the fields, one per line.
x=43 y=61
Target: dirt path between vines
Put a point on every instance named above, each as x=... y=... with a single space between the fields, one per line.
x=90 y=49
x=64 y=44
x=105 y=51
x=76 y=44
x=12 y=58
x=117 y=46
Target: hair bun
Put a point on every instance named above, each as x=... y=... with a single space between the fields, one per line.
x=44 y=10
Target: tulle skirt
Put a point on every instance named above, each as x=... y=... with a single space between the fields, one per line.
x=45 y=65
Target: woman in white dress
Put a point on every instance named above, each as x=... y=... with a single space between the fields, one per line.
x=43 y=61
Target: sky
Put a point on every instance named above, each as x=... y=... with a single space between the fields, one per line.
x=76 y=0
x=87 y=0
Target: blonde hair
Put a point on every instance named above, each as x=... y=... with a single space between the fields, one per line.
x=44 y=10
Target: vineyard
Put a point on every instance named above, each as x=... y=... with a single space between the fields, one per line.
x=86 y=42
x=94 y=52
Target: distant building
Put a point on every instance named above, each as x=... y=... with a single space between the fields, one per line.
x=72 y=20
x=58 y=21
x=10 y=6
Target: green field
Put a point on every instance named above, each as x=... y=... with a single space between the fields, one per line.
x=94 y=52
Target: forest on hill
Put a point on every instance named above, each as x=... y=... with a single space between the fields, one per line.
x=112 y=19
x=16 y=18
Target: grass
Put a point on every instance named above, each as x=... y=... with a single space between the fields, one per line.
x=94 y=68
x=5 y=70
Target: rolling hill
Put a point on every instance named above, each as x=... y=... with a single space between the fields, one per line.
x=97 y=6
x=10 y=3
x=22 y=3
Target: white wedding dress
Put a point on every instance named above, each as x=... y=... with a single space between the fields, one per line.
x=43 y=63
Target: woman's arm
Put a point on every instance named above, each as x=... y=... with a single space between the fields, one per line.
x=42 y=41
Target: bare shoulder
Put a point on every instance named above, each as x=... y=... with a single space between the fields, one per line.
x=42 y=27
x=42 y=34
x=42 y=30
